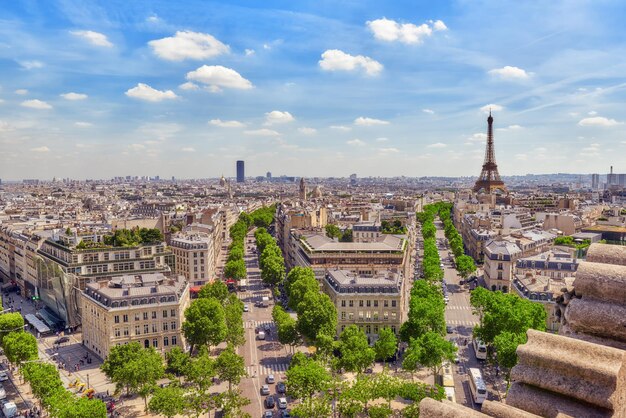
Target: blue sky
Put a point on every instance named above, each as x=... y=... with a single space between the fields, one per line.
x=322 y=88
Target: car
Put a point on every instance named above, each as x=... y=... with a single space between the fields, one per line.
x=280 y=387
x=449 y=329
x=270 y=402
x=246 y=308
x=285 y=414
x=282 y=403
x=3 y=376
x=62 y=340
x=270 y=379
x=265 y=390
x=267 y=328
x=268 y=414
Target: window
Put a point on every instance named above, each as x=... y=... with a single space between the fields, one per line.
x=145 y=316
x=164 y=314
x=137 y=316
x=393 y=316
x=375 y=329
x=343 y=303
x=155 y=342
x=369 y=303
x=393 y=303
x=173 y=313
x=126 y=333
x=146 y=328
x=173 y=340
x=343 y=316
x=368 y=315
x=350 y=316
x=173 y=327
x=360 y=304
x=116 y=319
x=165 y=326
x=375 y=304
x=137 y=330
x=154 y=328
x=117 y=332
x=125 y=317
x=166 y=341
x=386 y=304
x=368 y=329
x=385 y=316
x=153 y=314
x=361 y=315
x=351 y=303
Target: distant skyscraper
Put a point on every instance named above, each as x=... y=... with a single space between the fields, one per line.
x=268 y=175
x=489 y=179
x=241 y=175
x=595 y=181
x=611 y=179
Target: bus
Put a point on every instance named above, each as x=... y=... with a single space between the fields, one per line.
x=477 y=386
x=480 y=349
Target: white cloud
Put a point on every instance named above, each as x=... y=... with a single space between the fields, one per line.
x=382 y=139
x=147 y=93
x=436 y=145
x=336 y=60
x=217 y=77
x=266 y=46
x=74 y=96
x=355 y=142
x=137 y=147
x=509 y=73
x=510 y=128
x=598 y=121
x=35 y=104
x=340 y=128
x=307 y=131
x=82 y=124
x=388 y=150
x=30 y=65
x=187 y=149
x=249 y=52
x=226 y=123
x=478 y=137
x=21 y=92
x=188 y=45
x=94 y=38
x=277 y=117
x=40 y=149
x=439 y=25
x=153 y=19
x=362 y=121
x=262 y=132
x=491 y=108
x=592 y=113
x=521 y=157
x=188 y=86
x=390 y=31
x=429 y=111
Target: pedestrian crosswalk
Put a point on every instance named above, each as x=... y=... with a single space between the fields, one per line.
x=463 y=323
x=264 y=370
x=255 y=324
x=459 y=308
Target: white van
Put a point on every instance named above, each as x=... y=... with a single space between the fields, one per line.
x=3 y=393
x=9 y=409
x=480 y=349
x=282 y=403
x=261 y=335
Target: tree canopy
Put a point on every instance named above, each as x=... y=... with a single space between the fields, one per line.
x=205 y=323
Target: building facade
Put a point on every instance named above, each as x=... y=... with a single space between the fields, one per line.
x=194 y=255
x=241 y=174
x=146 y=308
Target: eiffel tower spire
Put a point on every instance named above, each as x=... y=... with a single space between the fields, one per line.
x=489 y=179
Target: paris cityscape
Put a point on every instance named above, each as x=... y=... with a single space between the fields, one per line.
x=312 y=209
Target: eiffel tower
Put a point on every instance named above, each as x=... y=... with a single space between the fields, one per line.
x=489 y=179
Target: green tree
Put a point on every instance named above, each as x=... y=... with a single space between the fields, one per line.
x=356 y=354
x=230 y=367
x=273 y=271
x=431 y=350
x=314 y=407
x=386 y=345
x=216 y=289
x=19 y=347
x=231 y=402
x=316 y=314
x=465 y=265
x=177 y=361
x=333 y=231
x=201 y=370
x=306 y=378
x=506 y=344
x=236 y=252
x=168 y=401
x=205 y=323
x=10 y=322
x=235 y=269
x=346 y=236
x=82 y=408
x=307 y=283
x=296 y=274
x=233 y=316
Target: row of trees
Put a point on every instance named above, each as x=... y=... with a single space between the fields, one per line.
x=430 y=262
x=504 y=320
x=464 y=263
x=271 y=261
x=309 y=380
x=20 y=347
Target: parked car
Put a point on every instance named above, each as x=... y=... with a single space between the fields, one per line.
x=282 y=403
x=268 y=414
x=265 y=390
x=3 y=376
x=449 y=329
x=62 y=340
x=280 y=387
x=270 y=379
x=270 y=402
x=285 y=414
x=246 y=308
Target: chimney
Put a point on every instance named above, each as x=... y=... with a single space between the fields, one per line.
x=533 y=280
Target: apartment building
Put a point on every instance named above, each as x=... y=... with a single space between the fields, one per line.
x=194 y=254
x=145 y=308
x=292 y=216
x=370 y=302
x=556 y=263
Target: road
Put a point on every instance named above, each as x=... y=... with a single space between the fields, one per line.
x=459 y=316
x=262 y=357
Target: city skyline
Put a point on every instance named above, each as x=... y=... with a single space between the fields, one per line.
x=96 y=90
